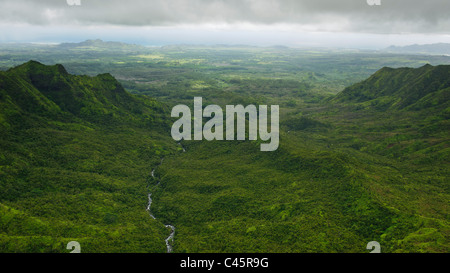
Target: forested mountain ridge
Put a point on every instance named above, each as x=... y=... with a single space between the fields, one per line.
x=38 y=89
x=75 y=162
x=413 y=88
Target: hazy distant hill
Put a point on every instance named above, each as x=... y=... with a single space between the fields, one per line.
x=100 y=44
x=439 y=49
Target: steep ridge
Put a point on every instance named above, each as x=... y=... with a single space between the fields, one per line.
x=411 y=88
x=49 y=90
x=75 y=154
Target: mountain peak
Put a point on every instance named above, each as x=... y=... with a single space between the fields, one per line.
x=35 y=66
x=35 y=83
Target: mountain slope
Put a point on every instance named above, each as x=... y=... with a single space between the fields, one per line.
x=49 y=90
x=413 y=88
x=76 y=156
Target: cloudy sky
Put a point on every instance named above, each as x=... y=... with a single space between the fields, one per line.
x=341 y=23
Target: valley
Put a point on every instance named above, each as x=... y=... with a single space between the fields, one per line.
x=363 y=150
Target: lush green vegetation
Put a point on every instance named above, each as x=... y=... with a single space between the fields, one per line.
x=75 y=162
x=368 y=163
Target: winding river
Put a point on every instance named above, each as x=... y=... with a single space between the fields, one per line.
x=169 y=239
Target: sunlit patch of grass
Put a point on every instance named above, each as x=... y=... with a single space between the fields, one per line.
x=199 y=85
x=150 y=56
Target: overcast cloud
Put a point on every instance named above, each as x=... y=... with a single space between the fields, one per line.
x=44 y=19
x=393 y=16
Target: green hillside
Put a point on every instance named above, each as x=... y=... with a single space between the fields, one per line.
x=76 y=156
x=416 y=89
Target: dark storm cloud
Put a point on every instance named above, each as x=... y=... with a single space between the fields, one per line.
x=393 y=16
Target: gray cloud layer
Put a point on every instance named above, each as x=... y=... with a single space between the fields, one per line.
x=393 y=16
